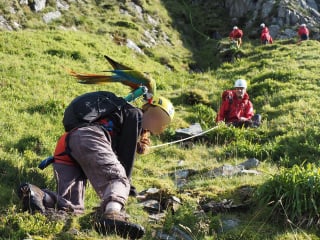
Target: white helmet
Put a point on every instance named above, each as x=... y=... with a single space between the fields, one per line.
x=262 y=25
x=235 y=27
x=303 y=25
x=240 y=83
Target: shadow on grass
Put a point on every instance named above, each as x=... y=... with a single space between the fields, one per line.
x=200 y=29
x=10 y=179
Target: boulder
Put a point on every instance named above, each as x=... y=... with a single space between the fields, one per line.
x=50 y=16
x=37 y=5
x=4 y=24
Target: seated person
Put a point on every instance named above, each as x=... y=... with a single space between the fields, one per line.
x=236 y=108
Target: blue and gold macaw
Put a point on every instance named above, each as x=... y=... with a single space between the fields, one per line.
x=121 y=73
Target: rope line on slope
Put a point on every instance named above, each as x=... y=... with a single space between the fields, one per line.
x=183 y=139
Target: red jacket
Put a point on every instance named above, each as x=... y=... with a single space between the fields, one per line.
x=232 y=111
x=265 y=30
x=303 y=31
x=236 y=33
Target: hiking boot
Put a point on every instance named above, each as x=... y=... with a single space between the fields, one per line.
x=133 y=191
x=32 y=198
x=117 y=223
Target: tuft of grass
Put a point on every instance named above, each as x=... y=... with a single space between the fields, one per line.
x=292 y=194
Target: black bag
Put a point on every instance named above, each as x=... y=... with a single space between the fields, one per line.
x=89 y=108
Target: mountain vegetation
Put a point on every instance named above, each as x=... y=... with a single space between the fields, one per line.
x=176 y=47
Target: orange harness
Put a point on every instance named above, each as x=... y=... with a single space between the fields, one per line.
x=61 y=154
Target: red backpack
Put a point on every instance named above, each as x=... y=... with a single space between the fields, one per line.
x=227 y=95
x=238 y=33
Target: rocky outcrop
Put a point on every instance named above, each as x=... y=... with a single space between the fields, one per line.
x=281 y=16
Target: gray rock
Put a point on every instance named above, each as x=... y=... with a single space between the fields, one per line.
x=194 y=129
x=303 y=4
x=241 y=7
x=250 y=163
x=294 y=18
x=274 y=30
x=151 y=205
x=23 y=2
x=290 y=33
x=62 y=5
x=152 y=190
x=250 y=172
x=152 y=21
x=229 y=224
x=156 y=217
x=16 y=25
x=136 y=9
x=282 y=11
x=163 y=236
x=180 y=182
x=285 y=14
x=123 y=11
x=267 y=8
x=149 y=38
x=227 y=170
x=315 y=13
x=50 y=16
x=313 y=4
x=184 y=173
x=12 y=10
x=37 y=5
x=131 y=44
x=4 y=24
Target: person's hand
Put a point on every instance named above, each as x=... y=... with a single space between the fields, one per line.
x=243 y=119
x=144 y=143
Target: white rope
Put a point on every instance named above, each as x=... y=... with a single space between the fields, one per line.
x=184 y=139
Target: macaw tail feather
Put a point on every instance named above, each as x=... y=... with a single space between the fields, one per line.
x=116 y=65
x=89 y=78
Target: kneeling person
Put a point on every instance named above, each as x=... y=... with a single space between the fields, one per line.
x=103 y=152
x=236 y=108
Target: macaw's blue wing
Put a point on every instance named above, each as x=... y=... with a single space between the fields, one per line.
x=121 y=73
x=135 y=79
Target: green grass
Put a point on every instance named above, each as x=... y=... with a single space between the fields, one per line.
x=35 y=89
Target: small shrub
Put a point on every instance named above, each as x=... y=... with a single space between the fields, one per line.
x=193 y=97
x=203 y=115
x=126 y=24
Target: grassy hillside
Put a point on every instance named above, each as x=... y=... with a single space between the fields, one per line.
x=283 y=85
x=283 y=82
